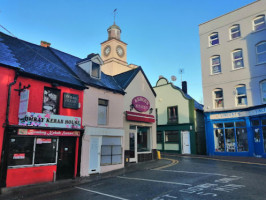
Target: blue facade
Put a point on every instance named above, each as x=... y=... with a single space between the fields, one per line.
x=237 y=133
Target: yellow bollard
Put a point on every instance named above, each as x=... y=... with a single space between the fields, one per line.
x=159 y=155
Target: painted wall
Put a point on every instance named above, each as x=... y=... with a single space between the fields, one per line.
x=251 y=74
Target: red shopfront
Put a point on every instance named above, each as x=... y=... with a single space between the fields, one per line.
x=41 y=155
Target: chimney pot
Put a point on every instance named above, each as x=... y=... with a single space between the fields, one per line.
x=45 y=44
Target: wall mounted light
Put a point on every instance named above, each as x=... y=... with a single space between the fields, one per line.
x=131 y=107
x=151 y=109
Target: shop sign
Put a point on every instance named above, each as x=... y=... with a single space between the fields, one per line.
x=47 y=133
x=141 y=104
x=238 y=114
x=19 y=156
x=71 y=101
x=23 y=103
x=44 y=141
x=48 y=120
x=137 y=117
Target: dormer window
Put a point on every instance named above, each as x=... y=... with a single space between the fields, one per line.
x=92 y=65
x=95 y=70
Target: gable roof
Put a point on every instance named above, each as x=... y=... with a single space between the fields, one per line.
x=124 y=79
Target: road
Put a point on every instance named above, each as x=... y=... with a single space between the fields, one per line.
x=189 y=179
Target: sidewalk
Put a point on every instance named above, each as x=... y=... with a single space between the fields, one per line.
x=26 y=192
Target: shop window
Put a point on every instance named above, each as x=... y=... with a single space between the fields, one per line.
x=237 y=59
x=111 y=151
x=51 y=101
x=241 y=95
x=216 y=65
x=263 y=91
x=264 y=137
x=235 y=31
x=214 y=39
x=242 y=139
x=218 y=98
x=102 y=111
x=143 y=137
x=218 y=140
x=159 y=136
x=259 y=23
x=172 y=114
x=172 y=136
x=261 y=52
x=32 y=151
x=230 y=140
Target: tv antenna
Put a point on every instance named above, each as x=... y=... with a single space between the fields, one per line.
x=181 y=71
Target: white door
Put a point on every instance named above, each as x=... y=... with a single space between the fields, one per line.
x=185 y=142
x=95 y=152
x=133 y=144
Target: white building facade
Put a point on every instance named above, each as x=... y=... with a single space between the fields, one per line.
x=233 y=60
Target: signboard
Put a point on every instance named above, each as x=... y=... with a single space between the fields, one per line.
x=48 y=120
x=137 y=117
x=141 y=104
x=19 y=156
x=23 y=103
x=47 y=133
x=71 y=101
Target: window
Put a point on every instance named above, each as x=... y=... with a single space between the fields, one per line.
x=32 y=151
x=172 y=136
x=241 y=95
x=259 y=23
x=214 y=39
x=159 y=136
x=263 y=91
x=235 y=31
x=95 y=70
x=218 y=98
x=218 y=137
x=261 y=52
x=102 y=111
x=172 y=114
x=111 y=151
x=237 y=57
x=216 y=65
x=143 y=135
x=51 y=101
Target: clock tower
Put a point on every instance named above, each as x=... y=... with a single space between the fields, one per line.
x=114 y=53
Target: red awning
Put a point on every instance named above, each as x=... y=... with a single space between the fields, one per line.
x=138 y=117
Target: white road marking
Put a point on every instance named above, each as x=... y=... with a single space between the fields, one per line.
x=108 y=195
x=190 y=172
x=151 y=180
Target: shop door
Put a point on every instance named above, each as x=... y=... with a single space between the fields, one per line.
x=185 y=142
x=258 y=141
x=66 y=158
x=95 y=152
x=133 y=144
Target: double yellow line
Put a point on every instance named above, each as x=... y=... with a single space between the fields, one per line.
x=173 y=162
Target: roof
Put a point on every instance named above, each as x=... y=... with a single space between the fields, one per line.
x=124 y=79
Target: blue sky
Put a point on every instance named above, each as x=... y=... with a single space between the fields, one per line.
x=162 y=35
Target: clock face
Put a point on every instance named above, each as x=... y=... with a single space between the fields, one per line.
x=107 y=50
x=119 y=51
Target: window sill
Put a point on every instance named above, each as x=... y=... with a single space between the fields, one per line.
x=237 y=69
x=26 y=166
x=234 y=39
x=144 y=152
x=259 y=64
x=258 y=31
x=213 y=45
x=215 y=74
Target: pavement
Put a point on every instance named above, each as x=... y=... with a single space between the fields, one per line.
x=168 y=159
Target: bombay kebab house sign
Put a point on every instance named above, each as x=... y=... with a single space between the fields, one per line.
x=141 y=104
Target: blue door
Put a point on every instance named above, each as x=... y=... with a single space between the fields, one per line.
x=258 y=142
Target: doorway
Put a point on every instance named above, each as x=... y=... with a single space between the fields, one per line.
x=95 y=152
x=133 y=143
x=185 y=142
x=66 y=158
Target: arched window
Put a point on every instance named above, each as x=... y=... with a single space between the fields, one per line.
x=214 y=39
x=218 y=99
x=263 y=91
x=235 y=31
x=241 y=95
x=216 y=64
x=261 y=52
x=237 y=59
x=259 y=23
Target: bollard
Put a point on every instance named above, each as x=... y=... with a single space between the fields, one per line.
x=159 y=155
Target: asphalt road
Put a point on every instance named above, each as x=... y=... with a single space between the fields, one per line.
x=190 y=179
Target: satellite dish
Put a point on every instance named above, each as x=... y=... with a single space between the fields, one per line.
x=161 y=76
x=173 y=78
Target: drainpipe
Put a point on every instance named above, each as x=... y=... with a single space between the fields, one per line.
x=4 y=156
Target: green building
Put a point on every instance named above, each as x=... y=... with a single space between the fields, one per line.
x=180 y=120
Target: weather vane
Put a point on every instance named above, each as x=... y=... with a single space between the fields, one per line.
x=114 y=14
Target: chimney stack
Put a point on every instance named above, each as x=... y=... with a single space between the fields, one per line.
x=45 y=44
x=184 y=87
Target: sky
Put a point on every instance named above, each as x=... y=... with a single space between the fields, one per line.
x=162 y=35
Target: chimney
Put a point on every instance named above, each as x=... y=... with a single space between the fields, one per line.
x=184 y=87
x=45 y=44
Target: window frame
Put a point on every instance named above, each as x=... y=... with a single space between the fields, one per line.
x=215 y=65
x=57 y=103
x=255 y=25
x=211 y=40
x=263 y=95
x=263 y=52
x=234 y=60
x=169 y=119
x=240 y=95
x=216 y=98
x=103 y=103
x=237 y=31
x=172 y=132
x=98 y=69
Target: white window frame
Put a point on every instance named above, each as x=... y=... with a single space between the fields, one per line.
x=234 y=60
x=240 y=95
x=218 y=98
x=259 y=53
x=237 y=31
x=216 y=38
x=263 y=93
x=215 y=65
x=100 y=109
x=255 y=25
